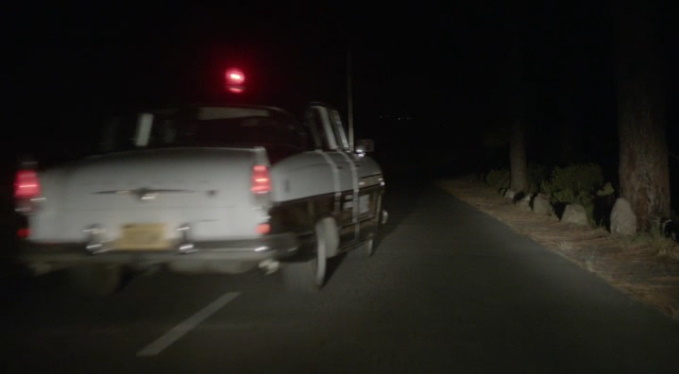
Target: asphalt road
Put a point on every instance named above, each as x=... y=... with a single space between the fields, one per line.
x=449 y=290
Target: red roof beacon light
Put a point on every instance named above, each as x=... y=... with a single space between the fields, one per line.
x=235 y=80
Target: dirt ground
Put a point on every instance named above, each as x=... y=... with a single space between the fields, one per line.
x=645 y=267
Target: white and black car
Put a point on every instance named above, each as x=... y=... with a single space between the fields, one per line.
x=204 y=189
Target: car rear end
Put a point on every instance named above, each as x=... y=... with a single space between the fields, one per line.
x=192 y=209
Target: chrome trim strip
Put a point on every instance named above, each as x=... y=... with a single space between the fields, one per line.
x=323 y=196
x=143 y=194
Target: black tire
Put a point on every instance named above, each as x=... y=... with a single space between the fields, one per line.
x=309 y=276
x=93 y=281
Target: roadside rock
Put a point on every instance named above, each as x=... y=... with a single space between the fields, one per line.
x=524 y=203
x=509 y=194
x=576 y=214
x=542 y=206
x=623 y=219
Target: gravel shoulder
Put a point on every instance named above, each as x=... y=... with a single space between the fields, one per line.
x=646 y=268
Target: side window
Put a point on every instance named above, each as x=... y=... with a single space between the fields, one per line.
x=310 y=122
x=168 y=131
x=110 y=134
x=302 y=136
x=163 y=132
x=320 y=129
x=118 y=133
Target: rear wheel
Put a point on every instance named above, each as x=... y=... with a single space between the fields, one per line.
x=309 y=276
x=96 y=280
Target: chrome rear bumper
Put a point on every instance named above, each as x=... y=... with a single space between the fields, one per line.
x=42 y=258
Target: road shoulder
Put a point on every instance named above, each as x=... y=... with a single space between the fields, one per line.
x=643 y=268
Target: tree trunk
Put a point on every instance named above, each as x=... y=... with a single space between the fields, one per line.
x=643 y=167
x=517 y=157
x=518 y=164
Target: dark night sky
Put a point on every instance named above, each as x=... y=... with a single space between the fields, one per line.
x=441 y=63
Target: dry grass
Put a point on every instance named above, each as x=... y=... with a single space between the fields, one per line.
x=645 y=267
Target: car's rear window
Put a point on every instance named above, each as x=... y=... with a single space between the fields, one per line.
x=206 y=127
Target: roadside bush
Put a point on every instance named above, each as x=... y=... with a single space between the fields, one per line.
x=536 y=175
x=498 y=178
x=501 y=178
x=574 y=184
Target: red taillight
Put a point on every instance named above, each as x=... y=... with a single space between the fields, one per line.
x=26 y=184
x=23 y=233
x=261 y=180
x=264 y=228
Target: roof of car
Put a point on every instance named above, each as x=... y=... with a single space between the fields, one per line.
x=272 y=109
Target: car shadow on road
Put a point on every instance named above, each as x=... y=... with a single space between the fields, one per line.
x=400 y=199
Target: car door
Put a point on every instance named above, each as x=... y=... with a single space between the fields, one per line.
x=332 y=142
x=367 y=179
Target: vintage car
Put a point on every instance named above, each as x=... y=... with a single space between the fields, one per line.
x=203 y=189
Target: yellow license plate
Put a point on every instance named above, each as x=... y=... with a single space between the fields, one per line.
x=144 y=236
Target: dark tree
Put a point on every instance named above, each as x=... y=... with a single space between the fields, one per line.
x=518 y=164
x=643 y=166
x=517 y=157
x=509 y=97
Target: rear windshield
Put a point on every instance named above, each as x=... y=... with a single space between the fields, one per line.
x=205 y=127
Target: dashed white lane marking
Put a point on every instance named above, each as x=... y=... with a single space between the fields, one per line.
x=181 y=329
